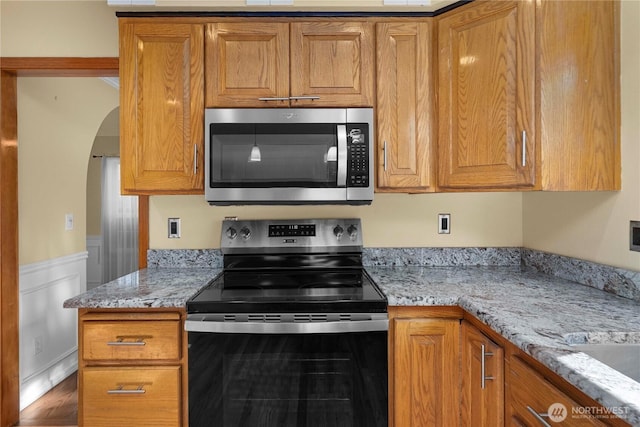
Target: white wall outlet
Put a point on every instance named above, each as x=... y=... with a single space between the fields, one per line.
x=444 y=223
x=174 y=228
x=37 y=345
x=68 y=222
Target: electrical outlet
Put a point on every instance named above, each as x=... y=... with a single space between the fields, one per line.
x=634 y=236
x=37 y=345
x=174 y=228
x=444 y=223
x=68 y=222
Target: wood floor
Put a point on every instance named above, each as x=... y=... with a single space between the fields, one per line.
x=59 y=407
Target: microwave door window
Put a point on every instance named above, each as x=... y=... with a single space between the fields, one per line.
x=272 y=155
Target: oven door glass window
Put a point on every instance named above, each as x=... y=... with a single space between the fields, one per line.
x=316 y=380
x=273 y=155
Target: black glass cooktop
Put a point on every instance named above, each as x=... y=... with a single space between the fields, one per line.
x=289 y=291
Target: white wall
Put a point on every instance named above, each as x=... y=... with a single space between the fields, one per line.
x=595 y=226
x=48 y=332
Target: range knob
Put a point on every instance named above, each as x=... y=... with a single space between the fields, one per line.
x=352 y=231
x=231 y=233
x=338 y=231
x=245 y=233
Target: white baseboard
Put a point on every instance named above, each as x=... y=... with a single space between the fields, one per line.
x=34 y=387
x=48 y=332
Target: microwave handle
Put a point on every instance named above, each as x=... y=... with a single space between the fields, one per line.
x=342 y=155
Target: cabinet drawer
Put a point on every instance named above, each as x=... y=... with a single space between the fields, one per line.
x=529 y=392
x=141 y=396
x=131 y=340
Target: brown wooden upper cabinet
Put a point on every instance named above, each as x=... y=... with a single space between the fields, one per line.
x=529 y=96
x=405 y=106
x=486 y=88
x=298 y=64
x=161 y=107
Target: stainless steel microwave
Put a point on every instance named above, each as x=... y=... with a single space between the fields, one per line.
x=289 y=156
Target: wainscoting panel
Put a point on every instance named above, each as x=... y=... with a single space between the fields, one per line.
x=48 y=332
x=94 y=261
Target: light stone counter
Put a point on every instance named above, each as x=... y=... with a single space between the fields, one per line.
x=148 y=288
x=538 y=313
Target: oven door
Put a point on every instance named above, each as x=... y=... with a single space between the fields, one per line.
x=288 y=380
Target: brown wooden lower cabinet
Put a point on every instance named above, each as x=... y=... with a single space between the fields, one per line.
x=533 y=401
x=482 y=379
x=446 y=368
x=424 y=367
x=132 y=370
x=132 y=396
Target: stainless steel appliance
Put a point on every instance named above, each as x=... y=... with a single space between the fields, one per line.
x=289 y=156
x=293 y=333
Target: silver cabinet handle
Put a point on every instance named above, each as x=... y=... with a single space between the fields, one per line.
x=121 y=390
x=524 y=148
x=304 y=98
x=195 y=159
x=120 y=341
x=539 y=416
x=483 y=377
x=384 y=151
x=276 y=98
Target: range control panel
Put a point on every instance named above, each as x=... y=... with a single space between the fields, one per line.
x=279 y=236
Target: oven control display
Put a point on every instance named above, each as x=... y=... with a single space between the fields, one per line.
x=289 y=230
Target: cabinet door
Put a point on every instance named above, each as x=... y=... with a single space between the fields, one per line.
x=426 y=375
x=332 y=62
x=161 y=108
x=482 y=380
x=579 y=93
x=246 y=62
x=486 y=95
x=405 y=107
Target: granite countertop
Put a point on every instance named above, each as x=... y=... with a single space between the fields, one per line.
x=538 y=313
x=148 y=288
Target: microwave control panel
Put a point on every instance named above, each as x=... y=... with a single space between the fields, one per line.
x=358 y=155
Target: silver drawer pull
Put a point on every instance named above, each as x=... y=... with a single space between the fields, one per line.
x=286 y=98
x=539 y=416
x=136 y=341
x=304 y=98
x=122 y=390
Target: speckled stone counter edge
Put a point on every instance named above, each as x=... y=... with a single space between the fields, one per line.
x=618 y=281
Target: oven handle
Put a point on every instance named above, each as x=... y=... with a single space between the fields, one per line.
x=337 y=327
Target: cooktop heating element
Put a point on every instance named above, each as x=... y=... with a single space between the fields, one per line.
x=291 y=266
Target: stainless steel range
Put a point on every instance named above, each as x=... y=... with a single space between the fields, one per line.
x=292 y=333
